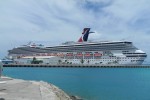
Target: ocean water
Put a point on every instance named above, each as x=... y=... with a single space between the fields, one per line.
x=92 y=83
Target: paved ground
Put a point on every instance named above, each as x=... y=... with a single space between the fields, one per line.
x=17 y=89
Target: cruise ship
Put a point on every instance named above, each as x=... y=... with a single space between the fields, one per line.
x=85 y=52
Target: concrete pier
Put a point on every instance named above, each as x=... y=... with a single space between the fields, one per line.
x=17 y=89
x=77 y=66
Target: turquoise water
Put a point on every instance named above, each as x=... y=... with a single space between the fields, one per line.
x=92 y=83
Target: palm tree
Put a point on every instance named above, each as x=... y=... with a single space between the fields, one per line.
x=59 y=61
x=65 y=61
x=115 y=62
x=33 y=60
x=82 y=61
x=88 y=61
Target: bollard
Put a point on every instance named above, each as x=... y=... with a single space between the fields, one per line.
x=1 y=68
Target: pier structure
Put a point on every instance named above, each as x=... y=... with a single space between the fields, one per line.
x=76 y=66
x=18 y=89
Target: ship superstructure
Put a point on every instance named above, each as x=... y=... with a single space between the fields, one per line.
x=104 y=52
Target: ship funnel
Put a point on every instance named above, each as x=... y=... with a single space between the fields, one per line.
x=85 y=35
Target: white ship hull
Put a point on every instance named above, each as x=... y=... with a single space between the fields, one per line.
x=115 y=57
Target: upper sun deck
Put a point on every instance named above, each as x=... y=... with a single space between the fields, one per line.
x=66 y=44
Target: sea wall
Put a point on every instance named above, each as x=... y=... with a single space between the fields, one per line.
x=77 y=66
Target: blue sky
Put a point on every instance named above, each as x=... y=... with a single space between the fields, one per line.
x=55 y=21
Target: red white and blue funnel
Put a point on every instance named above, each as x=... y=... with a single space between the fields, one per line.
x=85 y=35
